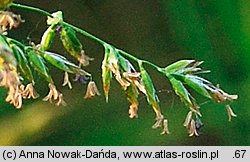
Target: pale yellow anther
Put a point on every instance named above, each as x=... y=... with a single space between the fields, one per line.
x=91 y=90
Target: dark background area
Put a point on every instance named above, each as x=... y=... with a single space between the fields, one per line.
x=162 y=31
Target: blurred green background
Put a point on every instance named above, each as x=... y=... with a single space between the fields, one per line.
x=162 y=31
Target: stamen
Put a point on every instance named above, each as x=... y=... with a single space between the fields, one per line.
x=91 y=90
x=192 y=129
x=55 y=95
x=133 y=108
x=66 y=80
x=165 y=127
x=230 y=113
x=188 y=119
x=29 y=92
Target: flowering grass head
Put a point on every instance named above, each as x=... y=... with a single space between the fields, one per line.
x=18 y=63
